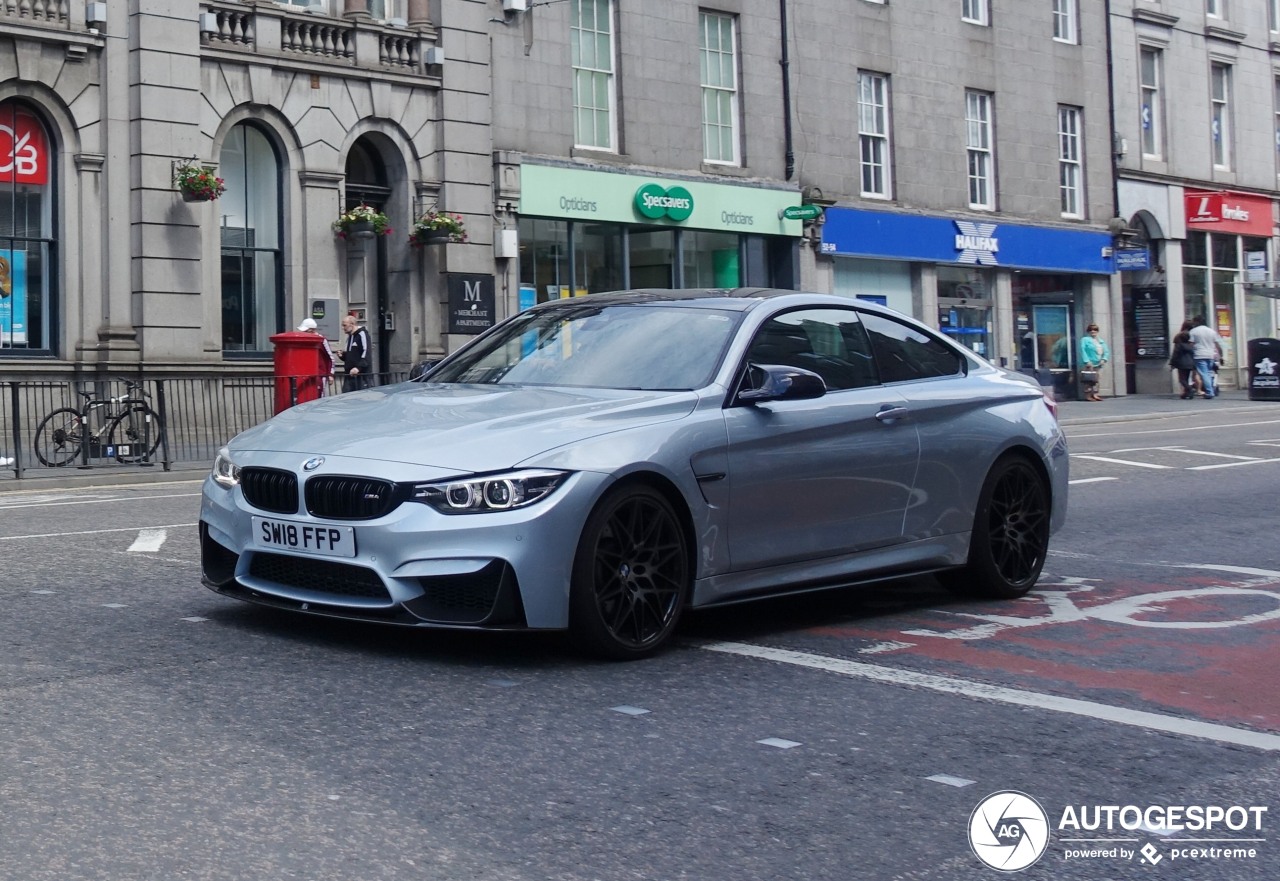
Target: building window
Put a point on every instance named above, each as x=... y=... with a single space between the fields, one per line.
x=975 y=12
x=1070 y=162
x=591 y=37
x=28 y=250
x=321 y=6
x=1220 y=85
x=873 y=133
x=1273 y=15
x=718 y=57
x=1064 y=21
x=252 y=289
x=977 y=116
x=1151 y=75
x=1215 y=8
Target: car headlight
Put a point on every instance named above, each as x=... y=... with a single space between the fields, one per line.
x=490 y=492
x=225 y=472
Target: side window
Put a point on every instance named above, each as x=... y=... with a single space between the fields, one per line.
x=830 y=342
x=904 y=353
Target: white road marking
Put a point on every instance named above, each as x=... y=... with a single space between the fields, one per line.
x=1208 y=453
x=148 y=541
x=1118 y=461
x=92 y=532
x=630 y=711
x=44 y=504
x=1239 y=570
x=778 y=742
x=114 y=606
x=1016 y=697
x=195 y=619
x=958 y=782
x=1091 y=480
x=880 y=647
x=1230 y=464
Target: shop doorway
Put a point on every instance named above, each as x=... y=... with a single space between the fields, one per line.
x=366 y=184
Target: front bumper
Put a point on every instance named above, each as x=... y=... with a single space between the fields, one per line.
x=414 y=565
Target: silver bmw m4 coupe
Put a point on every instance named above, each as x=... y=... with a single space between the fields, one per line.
x=602 y=463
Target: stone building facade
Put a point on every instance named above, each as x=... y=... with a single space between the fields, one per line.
x=1197 y=105
x=302 y=112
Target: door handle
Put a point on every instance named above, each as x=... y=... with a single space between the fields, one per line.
x=892 y=414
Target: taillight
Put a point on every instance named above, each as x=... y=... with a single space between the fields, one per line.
x=1052 y=404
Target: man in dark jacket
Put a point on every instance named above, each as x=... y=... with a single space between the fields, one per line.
x=355 y=356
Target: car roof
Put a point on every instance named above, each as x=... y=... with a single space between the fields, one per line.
x=740 y=299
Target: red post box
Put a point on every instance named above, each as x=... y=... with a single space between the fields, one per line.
x=301 y=367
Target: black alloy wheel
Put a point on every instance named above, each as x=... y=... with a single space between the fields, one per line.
x=1010 y=533
x=631 y=575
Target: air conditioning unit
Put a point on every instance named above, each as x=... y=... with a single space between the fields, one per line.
x=434 y=55
x=515 y=5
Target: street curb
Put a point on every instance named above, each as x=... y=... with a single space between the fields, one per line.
x=103 y=478
x=1261 y=406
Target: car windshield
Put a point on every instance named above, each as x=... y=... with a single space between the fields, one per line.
x=644 y=346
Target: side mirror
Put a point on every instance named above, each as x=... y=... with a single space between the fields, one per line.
x=422 y=368
x=775 y=382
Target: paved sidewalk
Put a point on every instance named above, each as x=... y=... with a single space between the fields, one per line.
x=1158 y=407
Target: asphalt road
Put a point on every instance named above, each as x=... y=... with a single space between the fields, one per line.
x=154 y=730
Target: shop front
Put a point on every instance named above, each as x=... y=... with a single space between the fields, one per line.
x=1226 y=270
x=584 y=231
x=1016 y=294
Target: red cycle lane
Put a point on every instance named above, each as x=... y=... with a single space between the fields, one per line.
x=1198 y=643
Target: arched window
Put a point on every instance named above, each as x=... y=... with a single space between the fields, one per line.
x=28 y=250
x=252 y=284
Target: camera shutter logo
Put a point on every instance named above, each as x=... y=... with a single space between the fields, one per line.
x=1009 y=831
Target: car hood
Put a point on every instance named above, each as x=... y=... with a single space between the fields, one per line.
x=465 y=428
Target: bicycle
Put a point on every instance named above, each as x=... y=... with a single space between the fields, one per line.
x=124 y=427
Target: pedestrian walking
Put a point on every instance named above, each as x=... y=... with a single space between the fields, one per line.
x=1182 y=359
x=1094 y=355
x=355 y=357
x=1208 y=352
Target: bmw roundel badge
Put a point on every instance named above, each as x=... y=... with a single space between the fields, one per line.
x=313 y=463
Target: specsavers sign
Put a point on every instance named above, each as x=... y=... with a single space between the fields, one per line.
x=553 y=191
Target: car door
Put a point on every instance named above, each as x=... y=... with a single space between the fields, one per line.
x=821 y=477
x=949 y=412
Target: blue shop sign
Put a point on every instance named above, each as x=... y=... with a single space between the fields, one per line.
x=1129 y=259
x=982 y=243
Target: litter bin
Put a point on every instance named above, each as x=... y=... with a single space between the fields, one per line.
x=300 y=366
x=1264 y=369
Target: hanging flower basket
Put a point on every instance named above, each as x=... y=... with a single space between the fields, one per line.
x=362 y=222
x=438 y=228
x=197 y=183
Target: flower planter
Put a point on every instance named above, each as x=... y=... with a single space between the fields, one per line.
x=435 y=238
x=188 y=196
x=362 y=229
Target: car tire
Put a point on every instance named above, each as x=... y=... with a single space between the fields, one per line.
x=631 y=575
x=1010 y=533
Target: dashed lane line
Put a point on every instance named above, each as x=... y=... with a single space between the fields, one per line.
x=148 y=541
x=48 y=504
x=952 y=685
x=1091 y=480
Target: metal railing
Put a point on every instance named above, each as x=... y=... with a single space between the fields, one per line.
x=196 y=416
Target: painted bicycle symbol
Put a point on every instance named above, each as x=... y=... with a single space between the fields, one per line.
x=1155 y=610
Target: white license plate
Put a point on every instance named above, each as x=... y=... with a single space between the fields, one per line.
x=328 y=541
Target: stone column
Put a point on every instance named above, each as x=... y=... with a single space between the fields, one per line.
x=419 y=13
x=355 y=9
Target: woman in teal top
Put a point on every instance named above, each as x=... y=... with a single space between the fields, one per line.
x=1093 y=354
